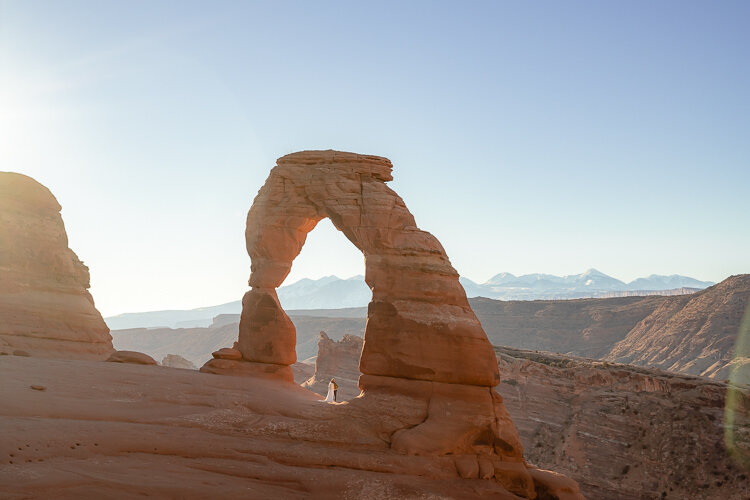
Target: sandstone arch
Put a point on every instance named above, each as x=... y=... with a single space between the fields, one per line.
x=427 y=366
x=419 y=326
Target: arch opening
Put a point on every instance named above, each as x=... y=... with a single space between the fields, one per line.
x=326 y=298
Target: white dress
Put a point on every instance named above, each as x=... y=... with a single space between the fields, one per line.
x=329 y=396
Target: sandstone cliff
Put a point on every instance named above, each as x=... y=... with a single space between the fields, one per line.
x=626 y=432
x=45 y=306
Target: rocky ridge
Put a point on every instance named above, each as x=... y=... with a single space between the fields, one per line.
x=626 y=432
x=45 y=306
x=693 y=334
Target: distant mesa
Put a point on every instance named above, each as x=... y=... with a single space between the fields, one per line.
x=420 y=328
x=45 y=306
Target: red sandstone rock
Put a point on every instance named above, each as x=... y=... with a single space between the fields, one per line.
x=427 y=366
x=45 y=307
x=302 y=371
x=186 y=434
x=227 y=353
x=137 y=358
x=417 y=299
x=340 y=360
x=249 y=369
x=267 y=334
x=553 y=485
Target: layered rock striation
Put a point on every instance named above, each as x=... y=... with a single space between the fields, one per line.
x=626 y=432
x=45 y=306
x=427 y=366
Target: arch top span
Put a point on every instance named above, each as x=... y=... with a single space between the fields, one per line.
x=420 y=325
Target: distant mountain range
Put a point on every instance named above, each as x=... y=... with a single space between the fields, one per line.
x=332 y=292
x=591 y=283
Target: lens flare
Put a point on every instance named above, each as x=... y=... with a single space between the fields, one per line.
x=737 y=406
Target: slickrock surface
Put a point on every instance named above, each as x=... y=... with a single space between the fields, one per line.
x=340 y=360
x=45 y=306
x=625 y=432
x=111 y=430
x=420 y=329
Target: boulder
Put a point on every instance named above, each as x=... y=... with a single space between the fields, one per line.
x=136 y=358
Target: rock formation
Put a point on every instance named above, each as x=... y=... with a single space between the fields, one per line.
x=425 y=355
x=609 y=426
x=186 y=434
x=133 y=357
x=628 y=433
x=45 y=307
x=340 y=360
x=177 y=361
x=693 y=334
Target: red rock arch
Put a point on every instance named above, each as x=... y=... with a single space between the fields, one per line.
x=420 y=325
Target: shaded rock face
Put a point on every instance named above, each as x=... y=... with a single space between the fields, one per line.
x=424 y=355
x=625 y=432
x=337 y=360
x=45 y=306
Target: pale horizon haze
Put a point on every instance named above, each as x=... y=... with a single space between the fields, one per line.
x=544 y=137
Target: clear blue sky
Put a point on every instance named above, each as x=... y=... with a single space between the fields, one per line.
x=527 y=136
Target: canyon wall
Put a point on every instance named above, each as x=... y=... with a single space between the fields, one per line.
x=629 y=433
